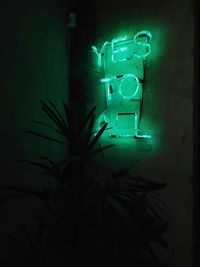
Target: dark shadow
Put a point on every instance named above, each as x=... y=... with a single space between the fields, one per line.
x=80 y=39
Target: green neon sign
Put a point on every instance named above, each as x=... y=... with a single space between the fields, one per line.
x=118 y=51
x=124 y=60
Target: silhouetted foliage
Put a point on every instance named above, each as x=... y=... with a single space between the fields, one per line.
x=100 y=217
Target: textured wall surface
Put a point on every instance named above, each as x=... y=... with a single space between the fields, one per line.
x=168 y=101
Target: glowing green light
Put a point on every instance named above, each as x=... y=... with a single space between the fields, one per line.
x=134 y=122
x=105 y=80
x=95 y=50
x=120 y=39
x=116 y=42
x=101 y=121
x=138 y=39
x=99 y=54
x=125 y=78
x=135 y=131
x=108 y=92
x=143 y=136
x=122 y=49
x=124 y=83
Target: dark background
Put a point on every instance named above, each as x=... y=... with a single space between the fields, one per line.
x=41 y=58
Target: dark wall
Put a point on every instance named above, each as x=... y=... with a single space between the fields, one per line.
x=168 y=100
x=33 y=67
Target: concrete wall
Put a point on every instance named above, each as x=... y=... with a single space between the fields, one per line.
x=168 y=100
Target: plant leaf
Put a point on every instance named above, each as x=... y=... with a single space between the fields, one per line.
x=90 y=114
x=71 y=131
x=38 y=164
x=58 y=113
x=2 y=199
x=55 y=118
x=13 y=238
x=46 y=137
x=161 y=241
x=89 y=130
x=96 y=138
x=152 y=253
x=101 y=149
x=44 y=124
x=123 y=213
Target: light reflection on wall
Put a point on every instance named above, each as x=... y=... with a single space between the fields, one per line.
x=124 y=61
